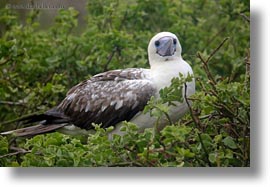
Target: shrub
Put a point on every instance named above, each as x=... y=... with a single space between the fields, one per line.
x=38 y=66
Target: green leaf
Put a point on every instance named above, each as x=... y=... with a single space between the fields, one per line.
x=212 y=157
x=229 y=141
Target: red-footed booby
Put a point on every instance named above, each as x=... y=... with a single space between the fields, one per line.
x=115 y=96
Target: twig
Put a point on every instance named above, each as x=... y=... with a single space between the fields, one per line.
x=194 y=117
x=12 y=103
x=247 y=62
x=247 y=125
x=122 y=164
x=207 y=71
x=215 y=50
x=201 y=84
x=214 y=37
x=205 y=63
x=209 y=116
x=110 y=57
x=21 y=151
x=116 y=48
x=5 y=61
x=198 y=123
x=168 y=117
x=230 y=111
x=245 y=17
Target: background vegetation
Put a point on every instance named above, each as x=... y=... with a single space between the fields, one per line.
x=38 y=66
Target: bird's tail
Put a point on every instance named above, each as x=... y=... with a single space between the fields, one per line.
x=48 y=122
x=34 y=130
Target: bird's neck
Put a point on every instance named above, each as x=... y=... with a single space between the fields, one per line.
x=163 y=72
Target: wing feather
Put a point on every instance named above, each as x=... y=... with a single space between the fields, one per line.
x=108 y=98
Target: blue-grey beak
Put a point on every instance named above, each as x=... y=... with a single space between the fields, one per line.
x=166 y=46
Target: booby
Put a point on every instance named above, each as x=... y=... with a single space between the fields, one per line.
x=111 y=97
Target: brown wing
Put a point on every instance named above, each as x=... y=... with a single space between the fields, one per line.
x=107 y=98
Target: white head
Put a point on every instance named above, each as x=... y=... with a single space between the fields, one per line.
x=163 y=47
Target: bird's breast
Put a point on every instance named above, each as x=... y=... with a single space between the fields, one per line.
x=162 y=75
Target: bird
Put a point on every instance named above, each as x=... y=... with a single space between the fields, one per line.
x=115 y=96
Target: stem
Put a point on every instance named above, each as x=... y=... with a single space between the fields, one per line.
x=122 y=164
x=205 y=67
x=201 y=118
x=214 y=37
x=205 y=63
x=198 y=123
x=168 y=117
x=110 y=57
x=245 y=17
x=116 y=48
x=12 y=103
x=215 y=50
x=22 y=151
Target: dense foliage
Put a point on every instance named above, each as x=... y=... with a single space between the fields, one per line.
x=38 y=66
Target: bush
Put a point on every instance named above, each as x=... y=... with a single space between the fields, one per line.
x=38 y=66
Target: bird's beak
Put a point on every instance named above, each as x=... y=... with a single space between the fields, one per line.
x=166 y=46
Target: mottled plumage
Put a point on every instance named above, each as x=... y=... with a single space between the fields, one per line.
x=107 y=98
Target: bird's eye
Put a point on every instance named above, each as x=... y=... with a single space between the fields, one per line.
x=174 y=41
x=157 y=43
